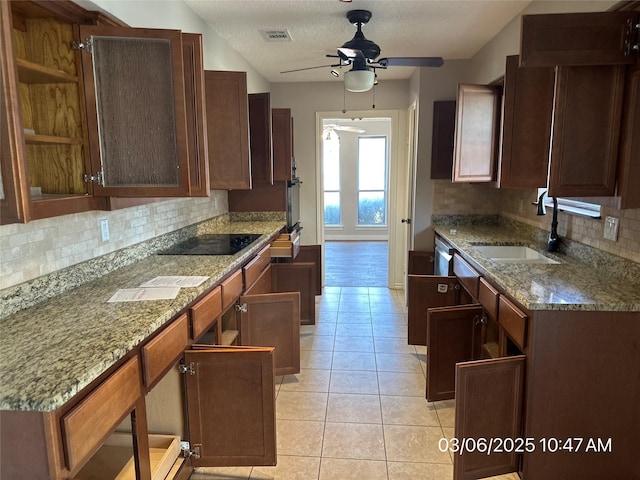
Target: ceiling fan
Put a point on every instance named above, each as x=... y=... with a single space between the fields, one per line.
x=360 y=54
x=329 y=130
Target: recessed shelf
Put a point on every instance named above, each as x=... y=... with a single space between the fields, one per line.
x=229 y=337
x=35 y=139
x=32 y=73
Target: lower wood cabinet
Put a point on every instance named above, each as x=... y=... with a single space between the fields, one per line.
x=230 y=398
x=273 y=320
x=489 y=405
x=453 y=336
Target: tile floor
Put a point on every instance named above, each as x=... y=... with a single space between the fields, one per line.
x=367 y=261
x=357 y=410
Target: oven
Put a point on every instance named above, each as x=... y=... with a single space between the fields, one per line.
x=293 y=204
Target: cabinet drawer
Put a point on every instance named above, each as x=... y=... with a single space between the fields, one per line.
x=205 y=312
x=513 y=320
x=285 y=246
x=255 y=267
x=161 y=352
x=488 y=297
x=467 y=275
x=87 y=425
x=263 y=284
x=115 y=456
x=231 y=289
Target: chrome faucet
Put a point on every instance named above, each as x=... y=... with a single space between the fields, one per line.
x=554 y=240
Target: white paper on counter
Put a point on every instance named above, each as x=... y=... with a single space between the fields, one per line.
x=175 y=281
x=142 y=294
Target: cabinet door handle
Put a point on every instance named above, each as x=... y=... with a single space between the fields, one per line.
x=481 y=320
x=241 y=308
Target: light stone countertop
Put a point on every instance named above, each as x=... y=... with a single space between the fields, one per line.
x=51 y=351
x=578 y=282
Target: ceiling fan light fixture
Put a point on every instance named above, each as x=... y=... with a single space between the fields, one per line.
x=359 y=80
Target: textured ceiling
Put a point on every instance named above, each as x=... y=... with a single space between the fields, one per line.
x=454 y=29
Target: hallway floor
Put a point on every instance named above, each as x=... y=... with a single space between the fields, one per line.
x=357 y=410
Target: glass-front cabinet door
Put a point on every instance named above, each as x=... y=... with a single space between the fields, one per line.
x=134 y=88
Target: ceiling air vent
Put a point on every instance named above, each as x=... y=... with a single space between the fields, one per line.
x=276 y=35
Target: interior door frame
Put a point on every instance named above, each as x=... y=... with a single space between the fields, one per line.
x=396 y=190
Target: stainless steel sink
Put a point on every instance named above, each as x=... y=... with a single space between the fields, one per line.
x=513 y=254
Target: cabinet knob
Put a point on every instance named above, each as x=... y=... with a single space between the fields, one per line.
x=241 y=308
x=481 y=320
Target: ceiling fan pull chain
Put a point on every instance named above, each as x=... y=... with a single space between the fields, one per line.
x=373 y=106
x=344 y=98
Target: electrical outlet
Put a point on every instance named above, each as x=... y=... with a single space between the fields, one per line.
x=104 y=229
x=611 y=228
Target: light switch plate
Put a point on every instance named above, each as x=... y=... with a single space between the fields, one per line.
x=104 y=230
x=611 y=228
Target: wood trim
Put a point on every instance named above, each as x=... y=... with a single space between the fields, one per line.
x=15 y=207
x=196 y=114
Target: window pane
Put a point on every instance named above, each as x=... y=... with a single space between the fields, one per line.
x=332 y=208
x=331 y=164
x=372 y=155
x=371 y=208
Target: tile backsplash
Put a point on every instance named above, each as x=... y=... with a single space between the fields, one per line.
x=468 y=199
x=45 y=246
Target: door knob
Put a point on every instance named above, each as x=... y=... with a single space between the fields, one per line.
x=406 y=220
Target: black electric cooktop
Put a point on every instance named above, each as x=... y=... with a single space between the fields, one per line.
x=214 y=244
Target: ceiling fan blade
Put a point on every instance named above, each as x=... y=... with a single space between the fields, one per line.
x=345 y=128
x=311 y=68
x=411 y=62
x=349 y=53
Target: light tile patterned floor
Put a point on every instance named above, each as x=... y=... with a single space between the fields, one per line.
x=357 y=410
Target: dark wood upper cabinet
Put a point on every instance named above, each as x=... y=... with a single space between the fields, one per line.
x=444 y=125
x=282 y=125
x=454 y=336
x=261 y=138
x=196 y=114
x=14 y=204
x=227 y=110
x=137 y=143
x=629 y=164
x=600 y=38
x=232 y=389
x=489 y=405
x=477 y=133
x=586 y=130
x=526 y=125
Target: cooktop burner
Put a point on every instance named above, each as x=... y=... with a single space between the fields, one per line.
x=214 y=244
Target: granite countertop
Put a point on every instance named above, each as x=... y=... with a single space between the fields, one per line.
x=54 y=349
x=578 y=282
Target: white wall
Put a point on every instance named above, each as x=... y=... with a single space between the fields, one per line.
x=305 y=99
